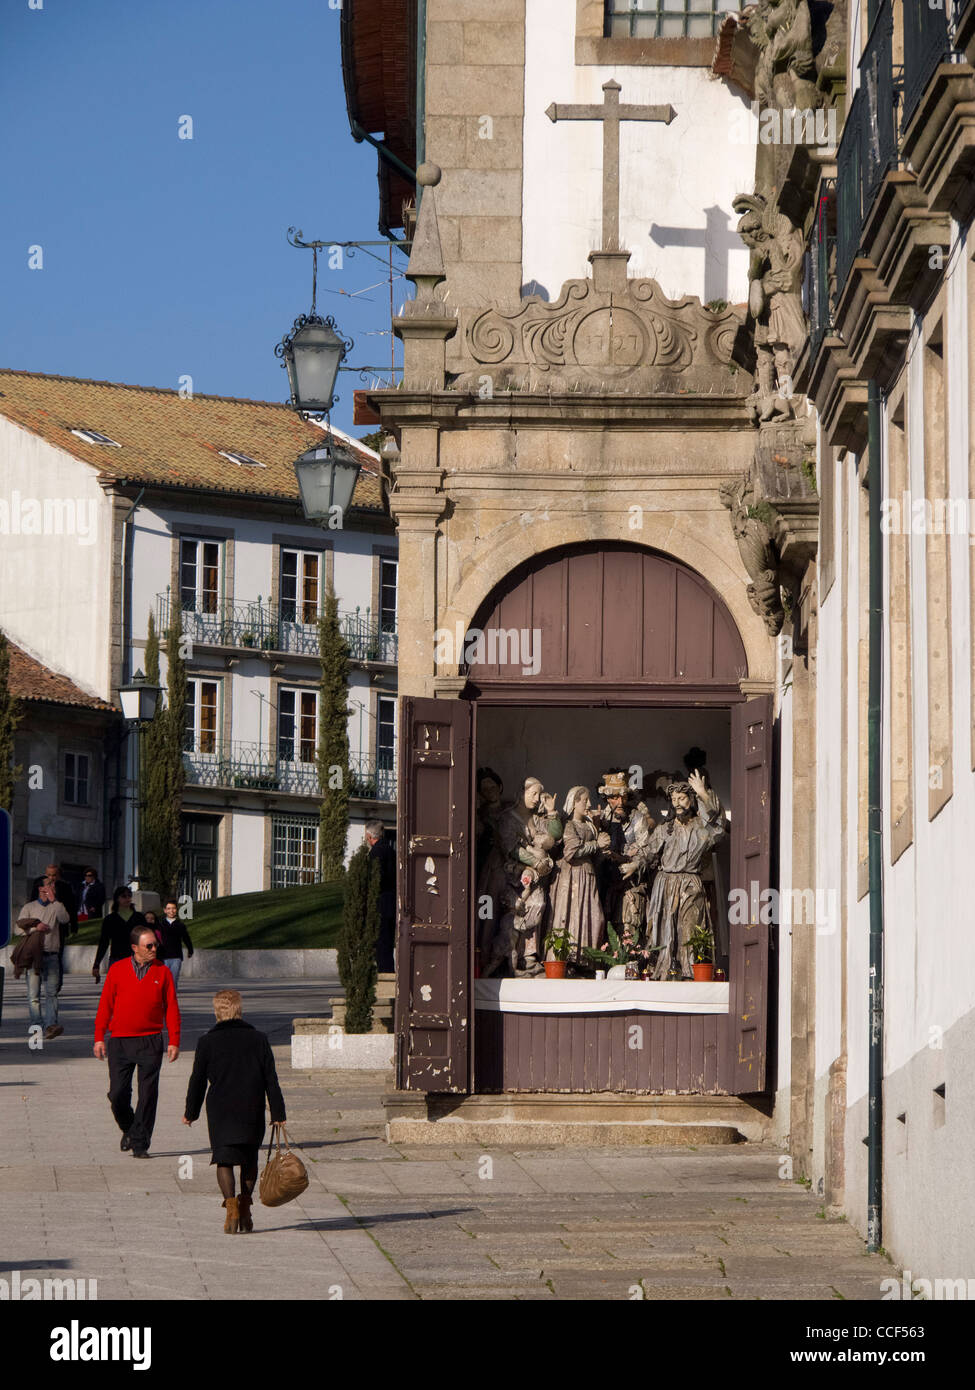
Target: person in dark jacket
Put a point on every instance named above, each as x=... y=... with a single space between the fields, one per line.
x=173 y=936
x=382 y=851
x=116 y=937
x=92 y=902
x=238 y=1063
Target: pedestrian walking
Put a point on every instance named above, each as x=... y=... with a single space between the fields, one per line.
x=92 y=902
x=65 y=895
x=382 y=851
x=138 y=997
x=117 y=930
x=237 y=1062
x=173 y=935
x=47 y=918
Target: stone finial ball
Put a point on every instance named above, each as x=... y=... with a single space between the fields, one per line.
x=428 y=175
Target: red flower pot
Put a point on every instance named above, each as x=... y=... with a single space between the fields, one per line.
x=703 y=970
x=555 y=969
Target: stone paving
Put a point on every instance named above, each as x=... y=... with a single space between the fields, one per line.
x=378 y=1222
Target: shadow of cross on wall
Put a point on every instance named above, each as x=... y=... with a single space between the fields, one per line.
x=717 y=240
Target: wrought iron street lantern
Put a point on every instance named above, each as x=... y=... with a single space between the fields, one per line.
x=326 y=480
x=313 y=351
x=139 y=700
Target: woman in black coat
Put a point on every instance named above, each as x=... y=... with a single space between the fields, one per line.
x=238 y=1063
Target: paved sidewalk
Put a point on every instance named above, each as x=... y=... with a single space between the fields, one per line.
x=379 y=1222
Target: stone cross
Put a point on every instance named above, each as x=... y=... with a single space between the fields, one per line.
x=611 y=113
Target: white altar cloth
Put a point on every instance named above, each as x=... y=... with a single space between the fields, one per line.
x=542 y=996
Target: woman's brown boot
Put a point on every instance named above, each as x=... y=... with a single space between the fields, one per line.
x=230 y=1225
x=244 y=1211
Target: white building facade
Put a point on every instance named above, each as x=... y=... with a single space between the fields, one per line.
x=221 y=534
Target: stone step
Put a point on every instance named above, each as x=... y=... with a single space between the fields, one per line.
x=566 y=1118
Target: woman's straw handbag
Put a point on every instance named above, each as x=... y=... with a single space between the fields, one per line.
x=284 y=1176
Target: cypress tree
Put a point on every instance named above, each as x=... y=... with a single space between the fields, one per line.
x=333 y=740
x=357 y=943
x=162 y=774
x=175 y=737
x=9 y=719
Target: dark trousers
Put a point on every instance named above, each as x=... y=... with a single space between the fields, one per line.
x=387 y=934
x=124 y=1055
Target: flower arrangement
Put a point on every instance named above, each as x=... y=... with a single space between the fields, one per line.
x=623 y=950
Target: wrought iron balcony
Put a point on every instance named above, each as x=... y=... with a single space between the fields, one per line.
x=821 y=243
x=374 y=778
x=262 y=626
x=256 y=767
x=878 y=116
x=849 y=190
x=926 y=44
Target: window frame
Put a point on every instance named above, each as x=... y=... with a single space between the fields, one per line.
x=199 y=567
x=194 y=686
x=617 y=12
x=300 y=600
x=66 y=800
x=298 y=739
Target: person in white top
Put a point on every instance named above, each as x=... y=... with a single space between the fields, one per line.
x=48 y=917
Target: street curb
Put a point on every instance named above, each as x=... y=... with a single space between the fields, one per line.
x=270 y=964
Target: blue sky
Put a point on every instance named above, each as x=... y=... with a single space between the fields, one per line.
x=165 y=256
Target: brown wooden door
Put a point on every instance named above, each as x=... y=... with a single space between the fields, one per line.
x=751 y=827
x=433 y=1005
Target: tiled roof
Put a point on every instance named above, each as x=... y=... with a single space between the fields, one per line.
x=173 y=440
x=30 y=680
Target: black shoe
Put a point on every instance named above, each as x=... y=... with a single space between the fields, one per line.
x=140 y=1153
x=125 y=1143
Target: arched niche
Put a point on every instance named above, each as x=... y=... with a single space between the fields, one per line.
x=607 y=617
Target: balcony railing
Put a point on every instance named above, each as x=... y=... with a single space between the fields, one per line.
x=263 y=626
x=926 y=45
x=878 y=116
x=255 y=767
x=821 y=243
x=374 y=778
x=849 y=189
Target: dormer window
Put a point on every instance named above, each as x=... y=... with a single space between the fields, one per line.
x=241 y=460
x=95 y=437
x=663 y=19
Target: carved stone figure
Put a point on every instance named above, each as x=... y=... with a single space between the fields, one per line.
x=624 y=903
x=575 y=903
x=774 y=303
x=520 y=828
x=785 y=76
x=679 y=850
x=523 y=915
x=758 y=554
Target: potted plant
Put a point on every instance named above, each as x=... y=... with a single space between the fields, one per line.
x=701 y=945
x=622 y=951
x=559 y=943
x=247 y=639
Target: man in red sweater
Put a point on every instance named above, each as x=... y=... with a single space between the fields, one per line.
x=138 y=995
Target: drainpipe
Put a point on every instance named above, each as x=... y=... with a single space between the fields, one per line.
x=875 y=1149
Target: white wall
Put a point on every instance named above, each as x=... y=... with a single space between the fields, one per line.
x=55 y=589
x=669 y=175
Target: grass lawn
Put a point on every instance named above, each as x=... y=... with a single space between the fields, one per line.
x=288 y=917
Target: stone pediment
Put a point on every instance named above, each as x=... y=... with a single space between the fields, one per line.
x=627 y=339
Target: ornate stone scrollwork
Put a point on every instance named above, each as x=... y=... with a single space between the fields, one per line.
x=599 y=339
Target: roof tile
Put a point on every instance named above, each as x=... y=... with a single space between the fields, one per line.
x=176 y=440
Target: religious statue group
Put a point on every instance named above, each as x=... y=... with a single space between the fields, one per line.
x=548 y=873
